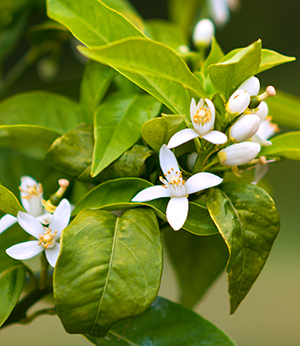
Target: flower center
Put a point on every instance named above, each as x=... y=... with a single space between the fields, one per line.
x=32 y=190
x=47 y=240
x=202 y=116
x=174 y=183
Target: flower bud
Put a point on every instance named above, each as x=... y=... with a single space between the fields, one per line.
x=262 y=110
x=238 y=154
x=203 y=33
x=244 y=128
x=251 y=85
x=238 y=102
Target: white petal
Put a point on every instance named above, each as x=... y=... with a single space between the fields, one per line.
x=203 y=32
x=238 y=154
x=52 y=254
x=30 y=224
x=246 y=126
x=215 y=137
x=26 y=181
x=262 y=110
x=211 y=107
x=61 y=217
x=45 y=219
x=193 y=108
x=152 y=192
x=261 y=141
x=201 y=181
x=167 y=160
x=23 y=251
x=181 y=137
x=6 y=221
x=251 y=85
x=177 y=211
x=260 y=172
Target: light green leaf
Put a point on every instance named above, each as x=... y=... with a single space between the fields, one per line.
x=91 y=22
x=155 y=132
x=286 y=146
x=151 y=66
x=197 y=261
x=227 y=75
x=214 y=56
x=184 y=12
x=111 y=265
x=270 y=59
x=285 y=110
x=117 y=194
x=95 y=81
x=248 y=221
x=118 y=123
x=164 y=324
x=40 y=108
x=9 y=203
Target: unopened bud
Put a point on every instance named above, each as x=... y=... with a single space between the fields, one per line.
x=203 y=33
x=244 y=128
x=262 y=110
x=238 y=102
x=238 y=154
x=251 y=85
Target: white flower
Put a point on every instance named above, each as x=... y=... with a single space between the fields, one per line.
x=203 y=119
x=176 y=188
x=238 y=154
x=251 y=86
x=47 y=237
x=262 y=110
x=203 y=32
x=31 y=193
x=246 y=126
x=265 y=131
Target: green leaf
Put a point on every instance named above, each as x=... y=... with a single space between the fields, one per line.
x=184 y=12
x=198 y=261
x=130 y=164
x=72 y=153
x=166 y=32
x=151 y=66
x=155 y=132
x=285 y=109
x=9 y=203
x=227 y=75
x=111 y=265
x=40 y=108
x=95 y=81
x=33 y=140
x=117 y=194
x=270 y=59
x=286 y=146
x=248 y=221
x=12 y=276
x=91 y=22
x=164 y=324
x=214 y=56
x=118 y=123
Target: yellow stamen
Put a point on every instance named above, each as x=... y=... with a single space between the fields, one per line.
x=202 y=116
x=33 y=190
x=47 y=239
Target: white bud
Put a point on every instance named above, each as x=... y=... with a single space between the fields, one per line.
x=203 y=32
x=262 y=110
x=238 y=102
x=251 y=85
x=244 y=128
x=238 y=154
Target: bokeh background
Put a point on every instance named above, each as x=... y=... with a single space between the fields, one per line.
x=269 y=316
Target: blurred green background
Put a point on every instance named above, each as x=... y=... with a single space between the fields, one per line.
x=269 y=316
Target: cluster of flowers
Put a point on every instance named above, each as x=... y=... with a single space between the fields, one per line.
x=42 y=220
x=251 y=128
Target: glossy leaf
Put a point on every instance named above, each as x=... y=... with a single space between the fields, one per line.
x=270 y=59
x=227 y=75
x=165 y=324
x=151 y=66
x=9 y=203
x=118 y=123
x=117 y=194
x=111 y=265
x=197 y=261
x=95 y=81
x=285 y=110
x=286 y=146
x=40 y=108
x=155 y=132
x=91 y=22
x=248 y=221
x=72 y=153
x=214 y=56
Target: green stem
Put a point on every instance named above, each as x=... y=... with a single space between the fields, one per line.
x=33 y=278
x=44 y=271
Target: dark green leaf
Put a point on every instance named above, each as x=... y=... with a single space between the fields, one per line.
x=111 y=265
x=248 y=221
x=9 y=203
x=118 y=123
x=151 y=66
x=117 y=194
x=227 y=75
x=198 y=261
x=270 y=59
x=165 y=324
x=286 y=146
